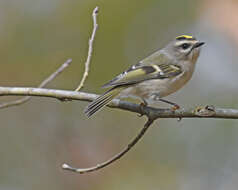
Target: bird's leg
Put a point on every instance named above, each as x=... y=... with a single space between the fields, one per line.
x=175 y=106
x=156 y=97
x=142 y=105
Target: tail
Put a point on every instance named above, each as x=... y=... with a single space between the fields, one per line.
x=102 y=101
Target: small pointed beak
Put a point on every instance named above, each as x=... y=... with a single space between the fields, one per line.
x=198 y=44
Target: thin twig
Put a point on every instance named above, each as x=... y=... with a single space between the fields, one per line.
x=114 y=158
x=151 y=113
x=90 y=49
x=43 y=84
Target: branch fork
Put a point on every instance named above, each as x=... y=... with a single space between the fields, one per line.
x=151 y=113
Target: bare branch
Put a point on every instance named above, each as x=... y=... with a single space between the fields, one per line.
x=153 y=113
x=56 y=73
x=43 y=84
x=114 y=158
x=90 y=49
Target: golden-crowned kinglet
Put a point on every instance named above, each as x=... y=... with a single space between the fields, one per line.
x=162 y=73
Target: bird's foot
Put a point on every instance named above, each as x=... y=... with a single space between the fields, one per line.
x=142 y=106
x=175 y=107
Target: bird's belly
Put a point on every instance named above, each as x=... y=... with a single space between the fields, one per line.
x=159 y=87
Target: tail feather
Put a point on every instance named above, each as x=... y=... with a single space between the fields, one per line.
x=102 y=101
x=99 y=106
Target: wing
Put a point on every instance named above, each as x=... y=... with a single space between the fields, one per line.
x=141 y=72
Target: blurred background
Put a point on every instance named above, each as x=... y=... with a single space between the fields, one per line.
x=36 y=37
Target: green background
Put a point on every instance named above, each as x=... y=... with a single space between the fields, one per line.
x=36 y=37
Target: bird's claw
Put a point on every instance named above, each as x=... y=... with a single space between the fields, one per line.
x=175 y=107
x=142 y=105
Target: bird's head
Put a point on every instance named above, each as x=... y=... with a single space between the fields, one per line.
x=184 y=48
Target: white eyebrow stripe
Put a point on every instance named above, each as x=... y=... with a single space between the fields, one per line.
x=184 y=41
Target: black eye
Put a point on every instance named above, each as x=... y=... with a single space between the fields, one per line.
x=185 y=46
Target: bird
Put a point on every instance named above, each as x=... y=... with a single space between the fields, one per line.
x=158 y=75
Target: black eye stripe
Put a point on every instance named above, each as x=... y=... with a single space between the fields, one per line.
x=185 y=46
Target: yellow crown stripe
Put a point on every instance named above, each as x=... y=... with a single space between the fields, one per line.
x=185 y=36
